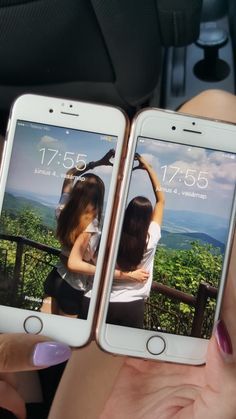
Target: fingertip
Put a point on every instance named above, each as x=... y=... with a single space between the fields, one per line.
x=46 y=354
x=25 y=352
x=223 y=340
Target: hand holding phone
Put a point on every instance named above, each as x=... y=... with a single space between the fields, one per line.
x=153 y=386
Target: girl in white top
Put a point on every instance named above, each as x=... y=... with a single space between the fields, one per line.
x=78 y=230
x=140 y=235
x=78 y=215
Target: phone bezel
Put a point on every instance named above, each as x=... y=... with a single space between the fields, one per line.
x=75 y=115
x=149 y=122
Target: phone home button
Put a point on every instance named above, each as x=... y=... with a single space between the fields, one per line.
x=33 y=325
x=156 y=345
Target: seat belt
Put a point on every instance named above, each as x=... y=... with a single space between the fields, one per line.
x=179 y=21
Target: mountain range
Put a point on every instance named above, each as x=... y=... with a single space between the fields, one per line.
x=179 y=229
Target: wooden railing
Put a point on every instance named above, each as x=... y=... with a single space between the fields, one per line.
x=199 y=302
x=17 y=277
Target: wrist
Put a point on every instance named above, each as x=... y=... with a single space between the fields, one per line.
x=125 y=275
x=121 y=274
x=130 y=275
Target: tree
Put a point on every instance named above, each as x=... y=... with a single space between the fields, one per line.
x=184 y=270
x=36 y=264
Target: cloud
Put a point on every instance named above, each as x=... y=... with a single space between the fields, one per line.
x=195 y=153
x=51 y=142
x=149 y=157
x=159 y=148
x=204 y=174
x=103 y=170
x=224 y=173
x=47 y=140
x=173 y=150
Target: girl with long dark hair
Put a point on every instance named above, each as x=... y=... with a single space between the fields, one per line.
x=141 y=232
x=78 y=213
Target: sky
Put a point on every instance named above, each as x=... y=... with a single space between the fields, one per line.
x=210 y=174
x=26 y=157
x=181 y=169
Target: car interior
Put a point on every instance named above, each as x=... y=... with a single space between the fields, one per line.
x=127 y=53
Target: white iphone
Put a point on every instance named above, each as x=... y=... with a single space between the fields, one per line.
x=57 y=186
x=171 y=238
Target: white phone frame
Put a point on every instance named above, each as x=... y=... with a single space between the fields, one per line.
x=155 y=123
x=90 y=117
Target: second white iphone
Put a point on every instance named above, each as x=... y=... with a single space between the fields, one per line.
x=171 y=239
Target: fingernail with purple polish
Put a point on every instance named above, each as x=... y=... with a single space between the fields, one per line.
x=46 y=354
x=223 y=338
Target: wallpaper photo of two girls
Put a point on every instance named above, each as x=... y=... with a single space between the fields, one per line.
x=172 y=241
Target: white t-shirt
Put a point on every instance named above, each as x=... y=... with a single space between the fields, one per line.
x=78 y=280
x=124 y=291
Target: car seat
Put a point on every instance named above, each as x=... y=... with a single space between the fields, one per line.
x=107 y=51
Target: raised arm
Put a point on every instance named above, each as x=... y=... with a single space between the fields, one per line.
x=79 y=170
x=156 y=186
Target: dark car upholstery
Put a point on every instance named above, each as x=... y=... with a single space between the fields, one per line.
x=99 y=50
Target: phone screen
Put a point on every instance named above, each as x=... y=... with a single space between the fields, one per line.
x=56 y=193
x=182 y=256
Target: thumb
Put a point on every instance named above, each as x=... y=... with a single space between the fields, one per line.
x=221 y=372
x=225 y=330
x=22 y=352
x=221 y=355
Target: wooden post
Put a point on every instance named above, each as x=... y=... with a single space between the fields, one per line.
x=200 y=305
x=17 y=271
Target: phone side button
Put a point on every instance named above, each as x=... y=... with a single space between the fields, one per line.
x=33 y=325
x=156 y=345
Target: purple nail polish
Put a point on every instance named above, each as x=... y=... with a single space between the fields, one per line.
x=223 y=338
x=46 y=354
